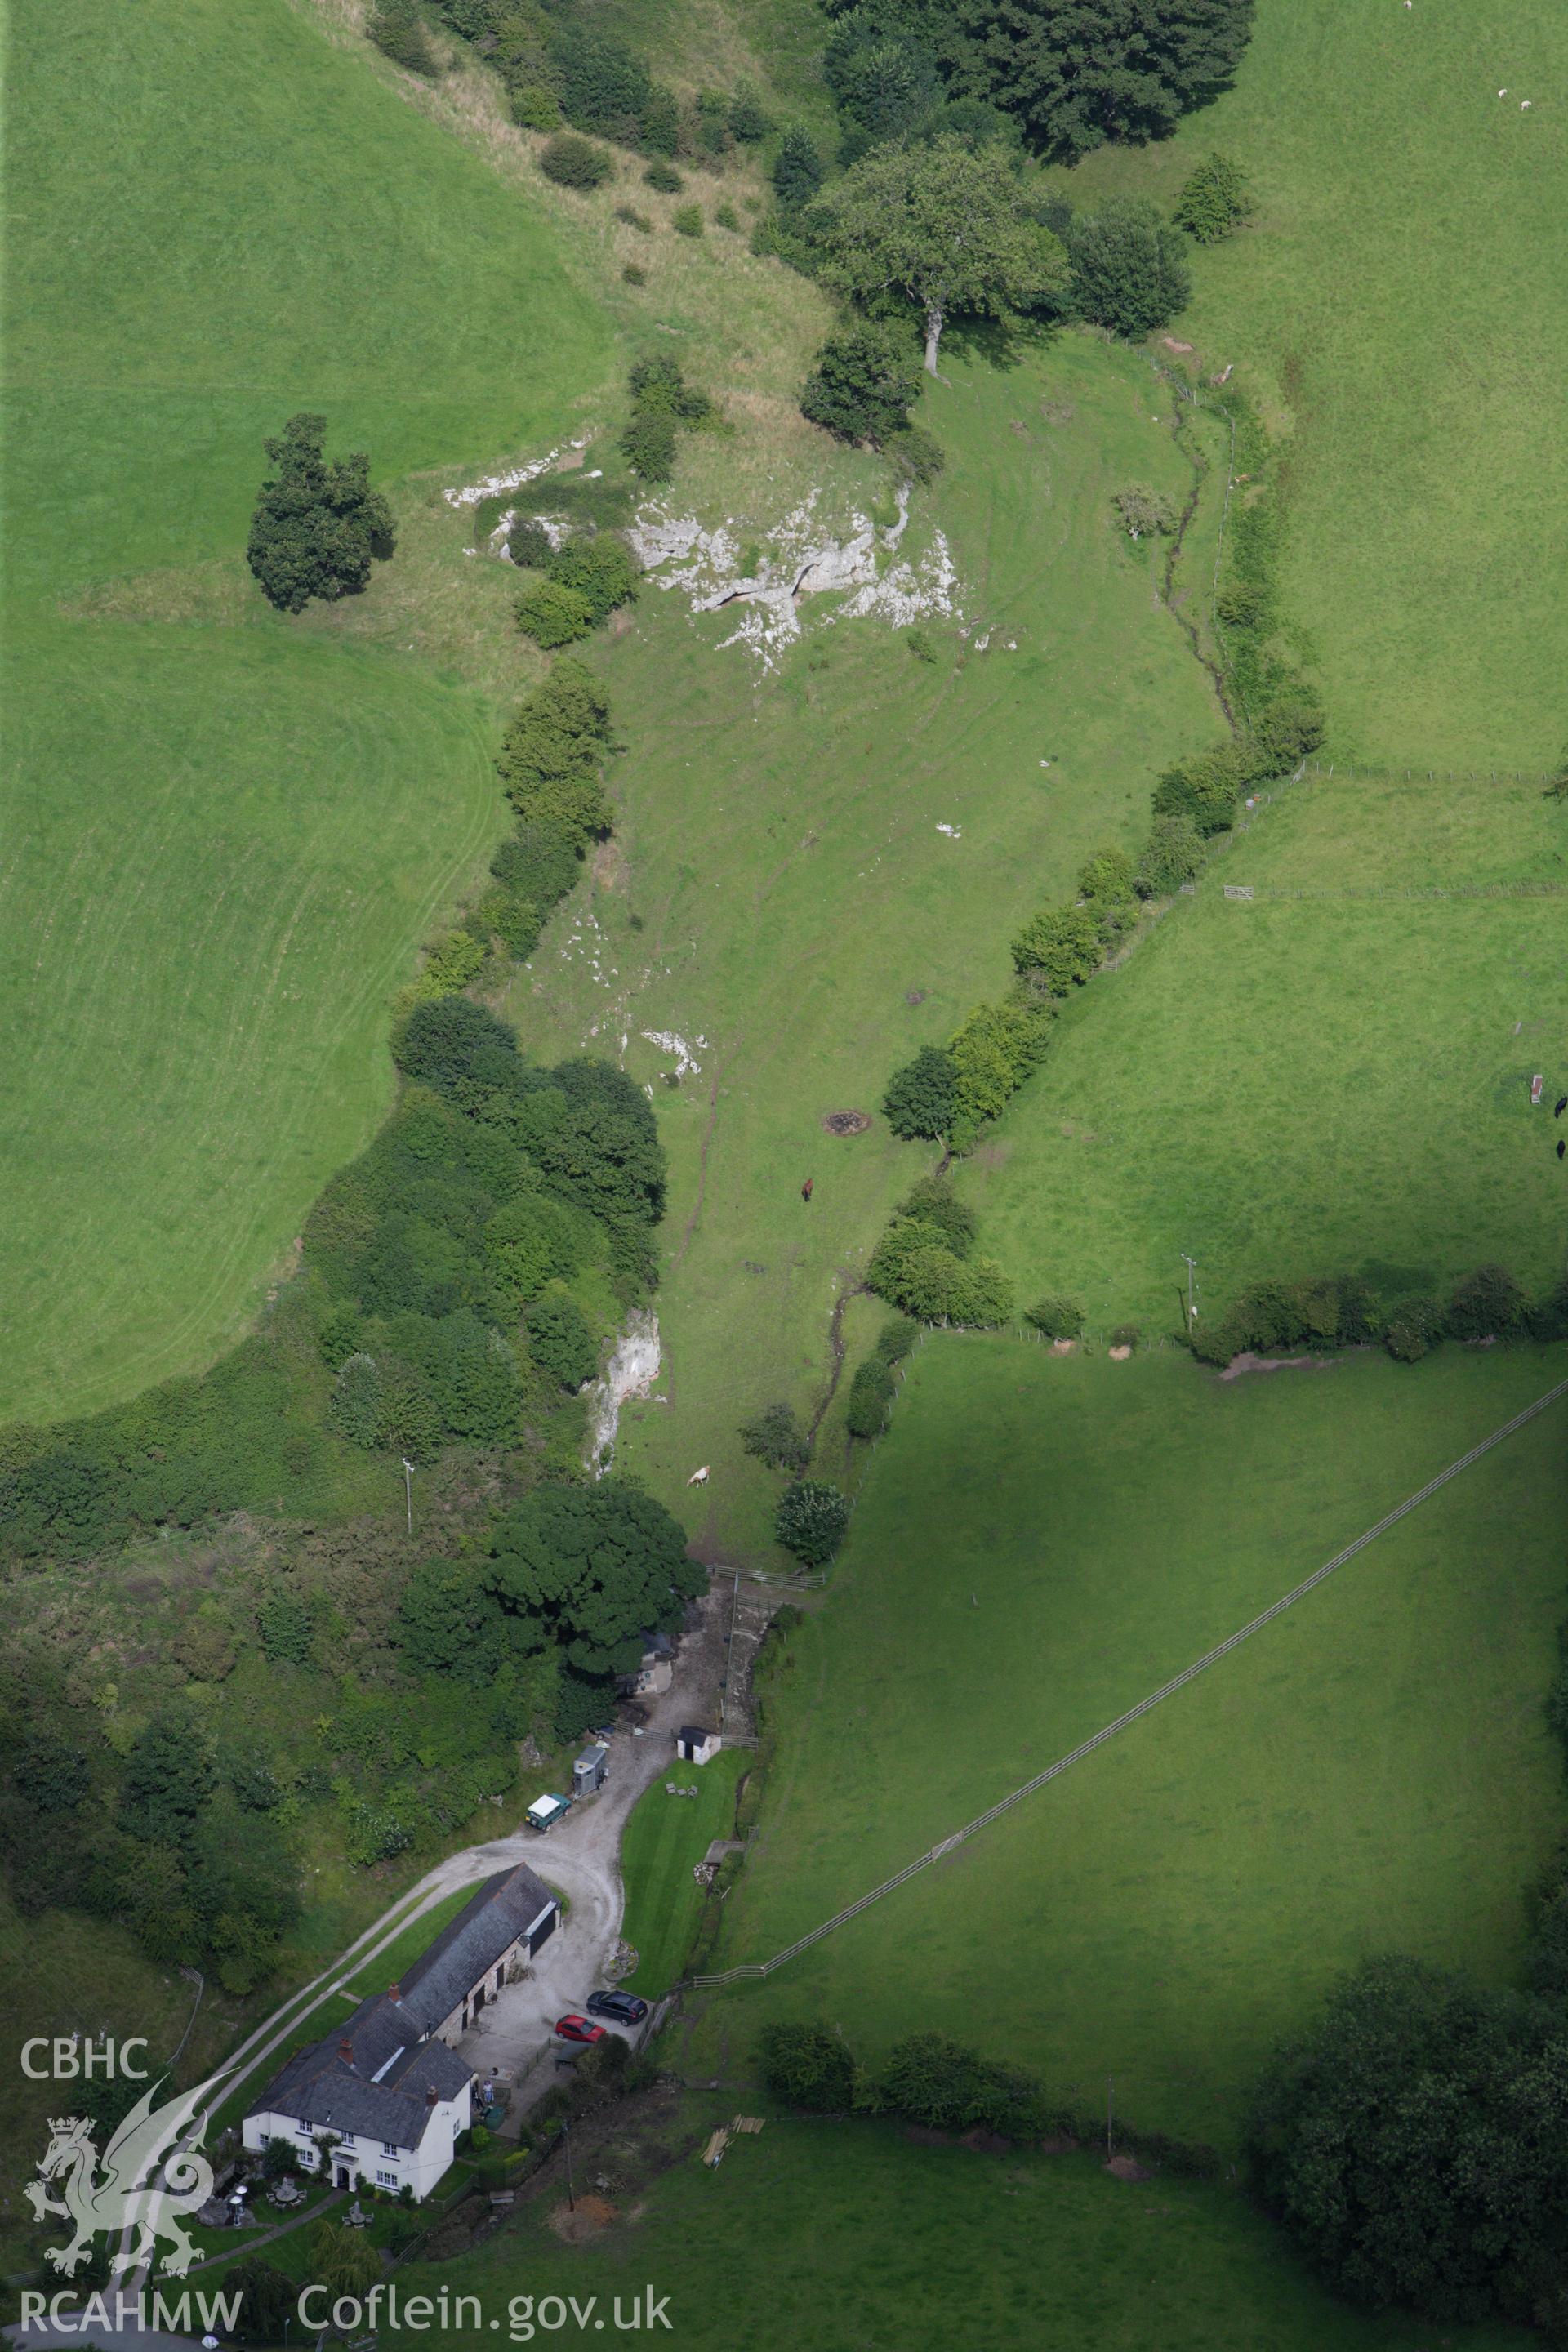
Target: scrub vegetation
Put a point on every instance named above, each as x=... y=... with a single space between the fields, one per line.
x=1097 y=924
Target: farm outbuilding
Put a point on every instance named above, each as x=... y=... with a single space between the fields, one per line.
x=693 y=1745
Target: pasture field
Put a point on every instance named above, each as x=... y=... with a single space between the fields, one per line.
x=835 y=2234
x=1397 y=308
x=1039 y=1543
x=781 y=886
x=228 y=836
x=1297 y=1085
x=664 y=1839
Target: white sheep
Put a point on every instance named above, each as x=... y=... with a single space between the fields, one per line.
x=698 y=1477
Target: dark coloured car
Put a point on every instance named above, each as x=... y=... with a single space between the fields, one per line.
x=572 y=2028
x=624 y=2007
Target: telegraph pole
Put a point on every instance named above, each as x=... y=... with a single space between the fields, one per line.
x=409 y=1490
x=1192 y=1266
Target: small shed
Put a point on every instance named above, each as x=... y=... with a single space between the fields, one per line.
x=588 y=1772
x=695 y=1746
x=545 y=1812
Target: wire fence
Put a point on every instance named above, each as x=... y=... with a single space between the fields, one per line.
x=1522 y=886
x=747 y=1969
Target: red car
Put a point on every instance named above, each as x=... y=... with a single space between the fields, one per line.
x=578 y=2029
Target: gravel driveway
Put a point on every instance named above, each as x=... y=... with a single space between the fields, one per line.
x=580 y=1860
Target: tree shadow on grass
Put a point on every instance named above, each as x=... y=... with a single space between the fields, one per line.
x=1003 y=343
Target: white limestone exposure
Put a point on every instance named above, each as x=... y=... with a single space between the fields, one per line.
x=631 y=1372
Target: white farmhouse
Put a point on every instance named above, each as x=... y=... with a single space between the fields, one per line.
x=387 y=2093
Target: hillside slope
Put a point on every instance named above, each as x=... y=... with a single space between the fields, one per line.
x=227 y=837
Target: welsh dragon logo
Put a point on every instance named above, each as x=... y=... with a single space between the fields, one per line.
x=148 y=2178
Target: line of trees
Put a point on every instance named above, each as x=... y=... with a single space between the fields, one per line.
x=943 y=2085
x=1344 y=1311
x=1061 y=80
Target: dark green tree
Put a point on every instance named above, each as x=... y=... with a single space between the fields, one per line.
x=1487 y=1304
x=286 y=1626
x=1062 y=945
x=920 y=1098
x=748 y=118
x=317 y=526
x=574 y=162
x=450 y=1623
x=529 y=544
x=356 y=1406
x=796 y=171
x=168 y=1779
x=1058 y=1317
x=812 y=1521
x=603 y=85
x=1079 y=72
x=942 y=2083
x=50 y=1774
x=551 y=754
x=863 y=385
x=560 y=1341
x=601 y=569
x=1213 y=201
x=935 y=1204
x=267 y=2297
x=1129 y=270
x=1202 y=787
x=594 y=1568
x=552 y=615
x=395 y=27
x=597 y=1141
x=870 y=1398
x=1173 y=854
x=1414 y=2142
x=776 y=1438
x=883 y=77
x=807 y=2066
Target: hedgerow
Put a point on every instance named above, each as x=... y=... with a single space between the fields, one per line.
x=1344 y=1310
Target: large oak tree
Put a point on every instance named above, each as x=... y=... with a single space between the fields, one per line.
x=941 y=225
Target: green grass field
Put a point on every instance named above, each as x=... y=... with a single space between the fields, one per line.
x=780 y=885
x=1042 y=1541
x=664 y=1839
x=1397 y=308
x=845 y=2237
x=1292 y=1086
x=229 y=834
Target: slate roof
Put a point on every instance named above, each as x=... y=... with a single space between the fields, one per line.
x=382 y=2089
x=505 y=1907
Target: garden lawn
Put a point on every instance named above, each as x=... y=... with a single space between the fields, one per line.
x=1288 y=1086
x=665 y=1839
x=1397 y=308
x=847 y=2230
x=782 y=893
x=1040 y=1543
x=228 y=832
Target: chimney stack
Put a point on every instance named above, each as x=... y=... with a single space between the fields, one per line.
x=346 y=2052
x=432 y=2096
x=392 y=1992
